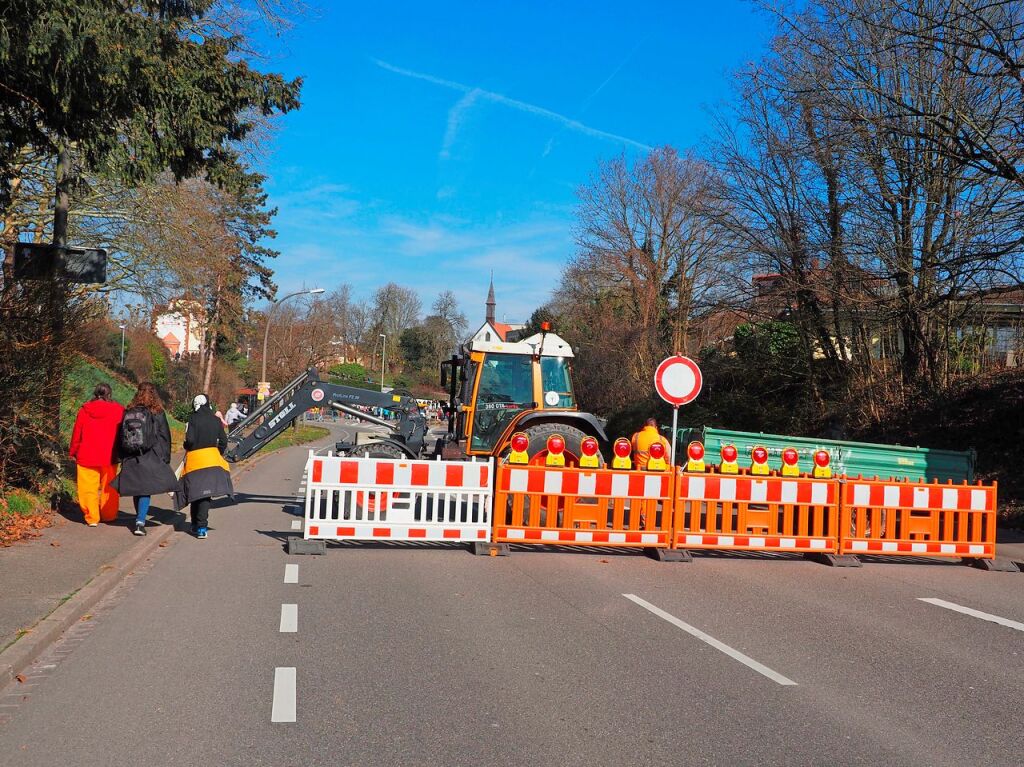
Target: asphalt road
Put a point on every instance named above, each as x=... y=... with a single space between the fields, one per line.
x=421 y=655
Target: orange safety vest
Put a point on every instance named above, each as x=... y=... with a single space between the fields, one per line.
x=642 y=442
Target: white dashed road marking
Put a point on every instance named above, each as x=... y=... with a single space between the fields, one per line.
x=720 y=646
x=284 y=695
x=291 y=573
x=974 y=613
x=289 y=619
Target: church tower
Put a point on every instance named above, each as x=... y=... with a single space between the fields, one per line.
x=491 y=303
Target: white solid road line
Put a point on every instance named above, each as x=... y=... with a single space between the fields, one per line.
x=973 y=613
x=720 y=646
x=291 y=573
x=284 y=695
x=289 y=619
x=296 y=524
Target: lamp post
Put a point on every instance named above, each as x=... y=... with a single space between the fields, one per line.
x=383 y=359
x=122 y=343
x=266 y=332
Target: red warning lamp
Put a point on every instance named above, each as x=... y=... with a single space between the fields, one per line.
x=822 y=459
x=546 y=327
x=622 y=447
x=759 y=455
x=520 y=442
x=729 y=454
x=556 y=444
x=695 y=451
x=790 y=457
x=656 y=450
x=589 y=446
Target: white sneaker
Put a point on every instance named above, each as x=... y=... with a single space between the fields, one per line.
x=94 y=524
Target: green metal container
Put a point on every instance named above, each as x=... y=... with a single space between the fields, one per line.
x=849 y=458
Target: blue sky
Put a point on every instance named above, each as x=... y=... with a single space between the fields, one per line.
x=437 y=142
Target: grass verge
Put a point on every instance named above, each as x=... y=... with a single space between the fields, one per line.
x=299 y=436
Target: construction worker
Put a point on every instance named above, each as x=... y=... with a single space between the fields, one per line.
x=642 y=442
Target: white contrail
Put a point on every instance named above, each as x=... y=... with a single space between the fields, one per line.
x=455 y=117
x=522 y=106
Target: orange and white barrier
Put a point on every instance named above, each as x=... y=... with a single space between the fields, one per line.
x=593 y=507
x=922 y=519
x=398 y=500
x=751 y=513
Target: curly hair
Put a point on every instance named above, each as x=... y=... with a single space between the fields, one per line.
x=147 y=397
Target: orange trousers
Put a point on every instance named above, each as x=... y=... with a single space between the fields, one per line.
x=97 y=499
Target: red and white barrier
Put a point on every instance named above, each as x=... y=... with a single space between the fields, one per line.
x=398 y=500
x=924 y=519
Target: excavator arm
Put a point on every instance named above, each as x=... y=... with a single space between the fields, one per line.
x=308 y=391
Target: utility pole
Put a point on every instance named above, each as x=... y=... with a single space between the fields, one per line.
x=58 y=289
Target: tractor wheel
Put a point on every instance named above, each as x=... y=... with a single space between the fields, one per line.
x=538 y=449
x=382 y=450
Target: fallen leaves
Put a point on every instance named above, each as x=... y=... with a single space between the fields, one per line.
x=21 y=678
x=17 y=527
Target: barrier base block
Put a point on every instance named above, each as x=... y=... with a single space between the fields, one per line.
x=488 y=549
x=835 y=560
x=302 y=546
x=669 y=555
x=997 y=565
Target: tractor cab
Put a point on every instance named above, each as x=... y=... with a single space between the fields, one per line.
x=500 y=388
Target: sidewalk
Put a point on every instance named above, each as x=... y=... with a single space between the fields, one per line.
x=40 y=574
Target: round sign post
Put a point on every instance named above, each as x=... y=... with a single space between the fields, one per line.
x=678 y=381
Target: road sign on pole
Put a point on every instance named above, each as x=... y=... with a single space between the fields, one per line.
x=678 y=381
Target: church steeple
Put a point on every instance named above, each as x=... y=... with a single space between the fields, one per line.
x=490 y=302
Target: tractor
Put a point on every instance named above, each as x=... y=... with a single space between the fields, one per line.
x=516 y=395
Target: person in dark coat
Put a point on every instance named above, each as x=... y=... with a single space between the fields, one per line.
x=205 y=475
x=145 y=470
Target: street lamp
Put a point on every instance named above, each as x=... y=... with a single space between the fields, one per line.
x=122 y=343
x=383 y=359
x=266 y=332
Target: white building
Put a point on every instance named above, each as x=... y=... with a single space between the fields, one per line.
x=180 y=326
x=493 y=331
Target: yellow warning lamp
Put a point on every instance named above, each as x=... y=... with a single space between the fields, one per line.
x=519 y=444
x=695 y=457
x=729 y=456
x=556 y=451
x=790 y=462
x=589 y=449
x=822 y=464
x=622 y=450
x=656 y=460
x=759 y=460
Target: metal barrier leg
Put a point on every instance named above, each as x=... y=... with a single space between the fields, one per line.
x=297 y=545
x=669 y=555
x=835 y=560
x=998 y=565
x=487 y=549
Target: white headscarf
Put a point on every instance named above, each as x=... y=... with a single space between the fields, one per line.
x=199 y=401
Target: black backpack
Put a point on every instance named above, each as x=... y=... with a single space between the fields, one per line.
x=137 y=432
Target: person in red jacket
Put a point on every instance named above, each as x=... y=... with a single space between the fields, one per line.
x=93 y=448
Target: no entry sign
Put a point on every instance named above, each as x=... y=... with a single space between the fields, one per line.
x=678 y=380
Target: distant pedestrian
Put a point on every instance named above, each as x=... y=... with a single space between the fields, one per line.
x=144 y=445
x=234 y=415
x=205 y=475
x=93 y=446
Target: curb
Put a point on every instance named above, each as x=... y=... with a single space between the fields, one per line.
x=20 y=655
